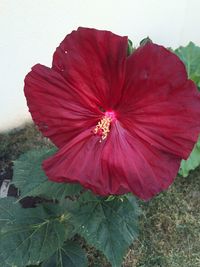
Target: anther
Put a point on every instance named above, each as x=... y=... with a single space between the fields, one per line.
x=103 y=126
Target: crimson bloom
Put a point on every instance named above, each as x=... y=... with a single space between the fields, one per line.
x=121 y=123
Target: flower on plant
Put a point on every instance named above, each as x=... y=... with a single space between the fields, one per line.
x=121 y=123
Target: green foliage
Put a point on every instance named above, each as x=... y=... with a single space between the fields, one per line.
x=30 y=235
x=32 y=181
x=8 y=211
x=190 y=55
x=192 y=162
x=130 y=48
x=70 y=255
x=110 y=226
x=145 y=41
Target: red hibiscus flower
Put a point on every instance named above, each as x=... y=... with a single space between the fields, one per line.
x=121 y=123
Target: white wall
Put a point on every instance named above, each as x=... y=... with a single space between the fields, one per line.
x=30 y=30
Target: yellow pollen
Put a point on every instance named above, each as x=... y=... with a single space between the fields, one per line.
x=103 y=127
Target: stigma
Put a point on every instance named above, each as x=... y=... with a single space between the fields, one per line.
x=103 y=126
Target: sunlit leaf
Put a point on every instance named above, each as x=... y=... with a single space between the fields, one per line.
x=190 y=55
x=192 y=162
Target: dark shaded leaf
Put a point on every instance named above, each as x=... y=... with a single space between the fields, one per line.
x=110 y=226
x=70 y=255
x=8 y=211
x=31 y=235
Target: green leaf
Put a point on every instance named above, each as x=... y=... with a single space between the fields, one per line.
x=30 y=178
x=145 y=41
x=192 y=162
x=110 y=226
x=130 y=48
x=31 y=235
x=190 y=55
x=70 y=255
x=8 y=211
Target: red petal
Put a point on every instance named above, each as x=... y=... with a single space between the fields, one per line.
x=93 y=62
x=55 y=107
x=160 y=104
x=118 y=165
x=81 y=161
